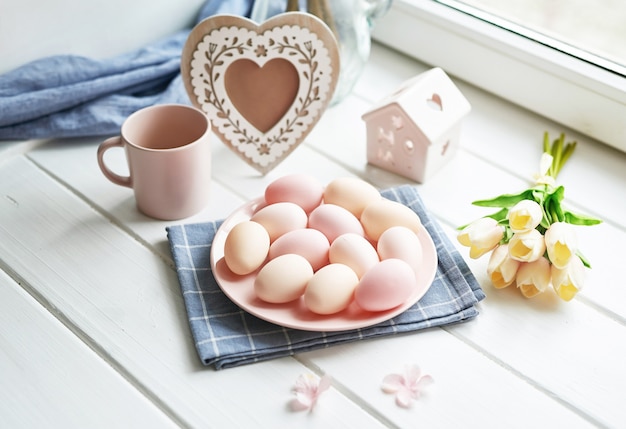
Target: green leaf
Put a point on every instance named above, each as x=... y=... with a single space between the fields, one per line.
x=584 y=260
x=556 y=152
x=508 y=234
x=579 y=219
x=546 y=142
x=500 y=215
x=553 y=205
x=505 y=200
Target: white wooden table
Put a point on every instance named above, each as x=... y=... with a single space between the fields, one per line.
x=93 y=331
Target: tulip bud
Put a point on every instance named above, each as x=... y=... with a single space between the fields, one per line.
x=533 y=277
x=501 y=267
x=561 y=244
x=524 y=216
x=481 y=236
x=527 y=246
x=567 y=282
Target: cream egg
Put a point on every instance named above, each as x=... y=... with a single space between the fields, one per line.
x=306 y=242
x=300 y=189
x=333 y=220
x=400 y=242
x=283 y=279
x=385 y=286
x=354 y=251
x=246 y=247
x=381 y=215
x=351 y=193
x=280 y=218
x=331 y=289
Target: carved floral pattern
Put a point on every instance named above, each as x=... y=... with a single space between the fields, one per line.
x=301 y=47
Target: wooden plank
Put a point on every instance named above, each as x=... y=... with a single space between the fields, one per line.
x=251 y=186
x=467 y=386
x=52 y=379
x=125 y=302
x=494 y=131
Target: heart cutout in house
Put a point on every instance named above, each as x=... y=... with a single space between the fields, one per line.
x=435 y=102
x=265 y=86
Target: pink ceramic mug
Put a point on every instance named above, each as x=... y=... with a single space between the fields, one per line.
x=169 y=160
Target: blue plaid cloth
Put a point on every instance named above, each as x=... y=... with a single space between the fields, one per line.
x=226 y=336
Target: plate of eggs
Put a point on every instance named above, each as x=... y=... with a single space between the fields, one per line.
x=323 y=258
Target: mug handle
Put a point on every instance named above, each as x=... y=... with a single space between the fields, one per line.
x=113 y=177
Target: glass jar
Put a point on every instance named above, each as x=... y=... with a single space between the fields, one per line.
x=350 y=20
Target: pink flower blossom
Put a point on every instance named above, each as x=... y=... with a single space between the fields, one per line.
x=307 y=390
x=407 y=386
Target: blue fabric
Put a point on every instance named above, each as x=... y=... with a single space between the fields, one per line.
x=73 y=96
x=226 y=336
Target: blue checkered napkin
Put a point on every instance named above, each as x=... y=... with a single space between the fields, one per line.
x=226 y=336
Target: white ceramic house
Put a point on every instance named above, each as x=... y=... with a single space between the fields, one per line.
x=415 y=130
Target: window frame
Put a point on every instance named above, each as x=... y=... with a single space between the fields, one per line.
x=571 y=91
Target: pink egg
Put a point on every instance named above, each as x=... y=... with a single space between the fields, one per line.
x=308 y=243
x=385 y=286
x=333 y=221
x=331 y=289
x=246 y=247
x=400 y=242
x=283 y=279
x=351 y=193
x=382 y=214
x=354 y=251
x=280 y=218
x=300 y=189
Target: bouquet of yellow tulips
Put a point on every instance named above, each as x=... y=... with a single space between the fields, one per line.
x=531 y=238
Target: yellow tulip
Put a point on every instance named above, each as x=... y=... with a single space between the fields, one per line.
x=481 y=236
x=527 y=246
x=533 y=277
x=501 y=268
x=561 y=244
x=524 y=216
x=567 y=282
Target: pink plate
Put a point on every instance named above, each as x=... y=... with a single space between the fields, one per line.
x=240 y=289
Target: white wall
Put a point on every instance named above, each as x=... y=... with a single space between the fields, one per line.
x=31 y=29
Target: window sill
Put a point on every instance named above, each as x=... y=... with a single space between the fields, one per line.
x=577 y=94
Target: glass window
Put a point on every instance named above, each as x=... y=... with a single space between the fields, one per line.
x=516 y=56
x=591 y=30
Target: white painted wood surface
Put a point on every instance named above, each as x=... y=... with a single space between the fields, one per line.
x=92 y=319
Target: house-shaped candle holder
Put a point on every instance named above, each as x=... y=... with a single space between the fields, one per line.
x=415 y=131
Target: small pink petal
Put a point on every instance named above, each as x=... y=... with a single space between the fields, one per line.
x=406 y=387
x=307 y=390
x=324 y=384
x=392 y=383
x=424 y=381
x=296 y=405
x=412 y=374
x=404 y=398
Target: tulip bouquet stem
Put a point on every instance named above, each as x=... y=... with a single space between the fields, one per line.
x=531 y=237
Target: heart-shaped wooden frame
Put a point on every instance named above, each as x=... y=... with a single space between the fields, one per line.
x=284 y=100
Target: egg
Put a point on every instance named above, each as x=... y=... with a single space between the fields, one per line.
x=400 y=242
x=306 y=242
x=354 y=251
x=331 y=289
x=333 y=220
x=300 y=189
x=351 y=193
x=283 y=279
x=246 y=247
x=280 y=218
x=385 y=286
x=381 y=215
